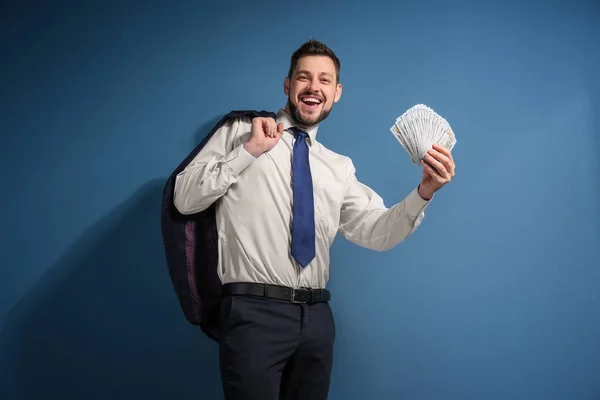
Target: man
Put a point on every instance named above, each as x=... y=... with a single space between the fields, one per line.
x=281 y=197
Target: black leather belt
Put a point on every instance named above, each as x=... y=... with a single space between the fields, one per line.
x=293 y=295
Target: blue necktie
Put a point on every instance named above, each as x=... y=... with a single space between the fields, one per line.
x=303 y=223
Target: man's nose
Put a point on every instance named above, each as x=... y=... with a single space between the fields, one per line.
x=314 y=86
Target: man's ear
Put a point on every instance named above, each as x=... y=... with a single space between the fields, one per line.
x=338 y=93
x=286 y=86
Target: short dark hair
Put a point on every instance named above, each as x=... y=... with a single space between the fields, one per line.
x=314 y=48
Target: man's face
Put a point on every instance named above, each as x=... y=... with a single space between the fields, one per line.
x=312 y=90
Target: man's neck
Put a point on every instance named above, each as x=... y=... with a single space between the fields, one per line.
x=301 y=127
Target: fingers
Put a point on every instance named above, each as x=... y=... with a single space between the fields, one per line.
x=273 y=129
x=439 y=179
x=264 y=126
x=436 y=166
x=430 y=170
x=436 y=160
x=444 y=151
x=441 y=160
x=269 y=127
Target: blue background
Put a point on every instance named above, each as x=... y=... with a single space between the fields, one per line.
x=495 y=297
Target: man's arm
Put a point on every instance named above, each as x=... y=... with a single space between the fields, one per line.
x=216 y=167
x=366 y=221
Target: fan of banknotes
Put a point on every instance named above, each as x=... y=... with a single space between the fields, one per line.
x=419 y=128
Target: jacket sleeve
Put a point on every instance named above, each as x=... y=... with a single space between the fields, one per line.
x=214 y=169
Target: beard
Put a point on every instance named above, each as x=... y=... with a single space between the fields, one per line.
x=307 y=121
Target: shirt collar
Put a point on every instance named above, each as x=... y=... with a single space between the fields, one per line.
x=287 y=121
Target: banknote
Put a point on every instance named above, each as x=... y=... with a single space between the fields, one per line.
x=418 y=128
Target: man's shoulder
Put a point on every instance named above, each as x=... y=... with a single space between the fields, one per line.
x=237 y=118
x=247 y=115
x=334 y=156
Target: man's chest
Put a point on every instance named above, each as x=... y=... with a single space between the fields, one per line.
x=270 y=178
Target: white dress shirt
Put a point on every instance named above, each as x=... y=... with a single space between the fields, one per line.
x=254 y=206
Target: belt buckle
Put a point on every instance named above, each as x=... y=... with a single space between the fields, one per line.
x=293 y=296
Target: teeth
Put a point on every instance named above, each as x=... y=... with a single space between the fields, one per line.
x=311 y=100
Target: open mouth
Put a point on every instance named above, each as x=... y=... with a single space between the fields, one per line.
x=311 y=101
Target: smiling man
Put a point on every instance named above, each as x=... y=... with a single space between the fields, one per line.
x=281 y=197
x=300 y=86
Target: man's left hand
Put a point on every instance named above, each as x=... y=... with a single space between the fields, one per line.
x=438 y=170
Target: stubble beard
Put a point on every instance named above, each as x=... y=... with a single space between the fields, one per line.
x=305 y=122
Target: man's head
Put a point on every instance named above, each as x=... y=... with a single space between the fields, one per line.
x=312 y=84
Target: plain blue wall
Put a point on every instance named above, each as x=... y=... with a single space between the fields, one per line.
x=495 y=297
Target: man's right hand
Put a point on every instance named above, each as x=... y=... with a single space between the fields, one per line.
x=265 y=135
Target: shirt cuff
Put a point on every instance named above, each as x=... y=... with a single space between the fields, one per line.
x=415 y=204
x=239 y=159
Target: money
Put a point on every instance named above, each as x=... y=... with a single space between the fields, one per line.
x=418 y=128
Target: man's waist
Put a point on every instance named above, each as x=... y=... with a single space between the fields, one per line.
x=293 y=295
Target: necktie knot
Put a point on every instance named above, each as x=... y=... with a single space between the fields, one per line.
x=298 y=134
